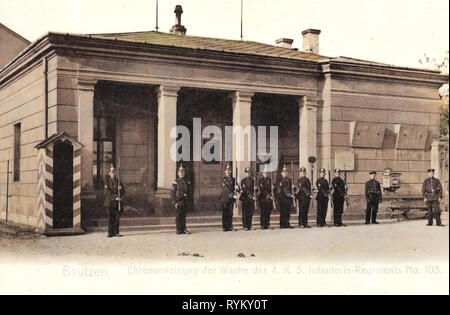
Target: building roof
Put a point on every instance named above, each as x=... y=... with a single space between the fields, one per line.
x=212 y=44
x=217 y=46
x=59 y=136
x=18 y=36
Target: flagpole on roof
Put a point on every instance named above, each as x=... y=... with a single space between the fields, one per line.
x=242 y=19
x=157 y=22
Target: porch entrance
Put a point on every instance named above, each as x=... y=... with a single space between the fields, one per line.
x=214 y=108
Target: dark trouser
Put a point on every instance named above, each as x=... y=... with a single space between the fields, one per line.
x=113 y=221
x=181 y=218
x=372 y=211
x=227 y=215
x=322 y=209
x=248 y=209
x=285 y=212
x=338 y=204
x=434 y=211
x=303 y=205
x=266 y=210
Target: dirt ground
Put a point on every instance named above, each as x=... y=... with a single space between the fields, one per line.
x=310 y=253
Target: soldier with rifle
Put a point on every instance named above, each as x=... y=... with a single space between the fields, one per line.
x=322 y=198
x=180 y=198
x=338 y=196
x=285 y=197
x=114 y=193
x=374 y=197
x=248 y=199
x=304 y=197
x=432 y=194
x=228 y=199
x=265 y=198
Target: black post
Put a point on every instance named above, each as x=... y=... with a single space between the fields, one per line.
x=7 y=191
x=119 y=190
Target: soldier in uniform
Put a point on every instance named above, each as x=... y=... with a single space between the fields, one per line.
x=248 y=200
x=339 y=194
x=432 y=194
x=304 y=196
x=322 y=198
x=265 y=200
x=285 y=197
x=374 y=197
x=180 y=198
x=227 y=199
x=113 y=192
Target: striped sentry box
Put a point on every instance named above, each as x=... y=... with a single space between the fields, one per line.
x=45 y=182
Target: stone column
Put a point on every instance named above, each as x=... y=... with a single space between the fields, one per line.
x=308 y=132
x=86 y=89
x=436 y=157
x=242 y=104
x=167 y=120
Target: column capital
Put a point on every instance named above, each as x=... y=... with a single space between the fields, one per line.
x=86 y=84
x=437 y=143
x=167 y=90
x=243 y=96
x=309 y=100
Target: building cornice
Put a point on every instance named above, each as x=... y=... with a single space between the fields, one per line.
x=358 y=71
x=87 y=46
x=32 y=55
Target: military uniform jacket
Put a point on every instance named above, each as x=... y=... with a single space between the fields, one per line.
x=339 y=190
x=111 y=191
x=247 y=189
x=228 y=186
x=180 y=191
x=323 y=187
x=432 y=189
x=373 y=191
x=264 y=189
x=304 y=188
x=284 y=188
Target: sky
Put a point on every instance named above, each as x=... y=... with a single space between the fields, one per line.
x=396 y=32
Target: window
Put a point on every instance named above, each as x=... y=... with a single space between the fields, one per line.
x=17 y=132
x=104 y=146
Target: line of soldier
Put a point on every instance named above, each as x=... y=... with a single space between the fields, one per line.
x=288 y=195
x=265 y=194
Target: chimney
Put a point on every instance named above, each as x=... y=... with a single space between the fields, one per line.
x=284 y=42
x=178 y=28
x=311 y=41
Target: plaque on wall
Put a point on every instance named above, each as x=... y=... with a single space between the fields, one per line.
x=412 y=137
x=366 y=135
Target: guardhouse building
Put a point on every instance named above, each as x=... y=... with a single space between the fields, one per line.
x=70 y=105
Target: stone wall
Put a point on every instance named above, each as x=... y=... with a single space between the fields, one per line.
x=22 y=101
x=384 y=112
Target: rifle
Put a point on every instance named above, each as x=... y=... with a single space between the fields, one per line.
x=255 y=188
x=119 y=190
x=294 y=200
x=347 y=202
x=329 y=190
x=236 y=188
x=272 y=191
